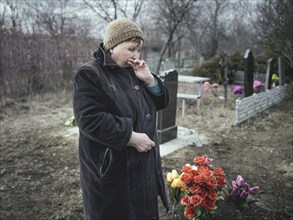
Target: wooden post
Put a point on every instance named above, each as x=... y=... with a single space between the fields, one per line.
x=225 y=75
x=224 y=63
x=280 y=71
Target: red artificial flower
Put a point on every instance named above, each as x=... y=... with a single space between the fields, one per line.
x=185 y=201
x=186 y=168
x=219 y=172
x=198 y=179
x=201 y=169
x=208 y=204
x=195 y=200
x=207 y=173
x=222 y=181
x=189 y=212
x=212 y=182
x=194 y=188
x=193 y=172
x=203 y=193
x=213 y=195
x=186 y=178
x=200 y=160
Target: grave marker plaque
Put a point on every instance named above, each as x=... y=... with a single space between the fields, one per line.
x=166 y=122
x=248 y=73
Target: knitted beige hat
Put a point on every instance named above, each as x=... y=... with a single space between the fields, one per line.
x=120 y=30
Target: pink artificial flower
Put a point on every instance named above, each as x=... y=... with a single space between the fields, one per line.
x=233 y=192
x=207 y=161
x=257 y=84
x=254 y=190
x=240 y=181
x=215 y=86
x=238 y=90
x=243 y=194
x=206 y=87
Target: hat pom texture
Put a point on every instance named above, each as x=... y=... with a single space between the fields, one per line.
x=120 y=30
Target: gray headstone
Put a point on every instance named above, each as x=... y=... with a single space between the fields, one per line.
x=269 y=74
x=239 y=77
x=260 y=77
x=166 y=123
x=248 y=73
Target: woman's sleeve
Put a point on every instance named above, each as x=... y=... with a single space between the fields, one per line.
x=160 y=94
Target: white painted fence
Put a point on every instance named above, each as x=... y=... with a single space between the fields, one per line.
x=252 y=105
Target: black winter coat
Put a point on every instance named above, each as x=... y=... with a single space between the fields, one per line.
x=109 y=103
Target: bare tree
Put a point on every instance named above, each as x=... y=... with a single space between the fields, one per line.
x=275 y=28
x=239 y=31
x=41 y=43
x=212 y=26
x=10 y=47
x=110 y=10
x=171 y=15
x=12 y=11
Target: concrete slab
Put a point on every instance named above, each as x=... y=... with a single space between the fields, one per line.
x=184 y=138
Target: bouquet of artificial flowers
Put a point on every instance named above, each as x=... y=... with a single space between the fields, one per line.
x=240 y=193
x=197 y=188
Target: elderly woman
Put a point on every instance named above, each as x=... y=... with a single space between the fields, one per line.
x=115 y=102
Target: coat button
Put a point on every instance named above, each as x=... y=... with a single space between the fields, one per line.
x=136 y=87
x=148 y=116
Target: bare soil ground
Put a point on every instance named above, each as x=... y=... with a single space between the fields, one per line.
x=39 y=171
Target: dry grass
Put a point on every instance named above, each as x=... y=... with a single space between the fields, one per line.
x=214 y=113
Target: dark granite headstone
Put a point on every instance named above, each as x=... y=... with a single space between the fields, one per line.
x=248 y=73
x=166 y=123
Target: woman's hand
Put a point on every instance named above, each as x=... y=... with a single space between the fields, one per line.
x=142 y=71
x=141 y=142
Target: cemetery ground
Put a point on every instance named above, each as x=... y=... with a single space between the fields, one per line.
x=39 y=172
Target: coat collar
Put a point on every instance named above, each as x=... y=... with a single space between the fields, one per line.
x=104 y=58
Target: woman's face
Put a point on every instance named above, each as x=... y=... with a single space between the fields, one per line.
x=126 y=50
